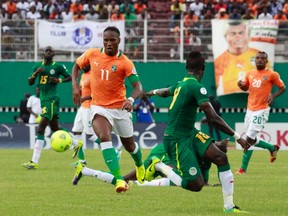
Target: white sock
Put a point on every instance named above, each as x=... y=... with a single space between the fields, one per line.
x=75 y=139
x=93 y=138
x=156 y=182
x=103 y=176
x=227 y=182
x=37 y=150
x=168 y=171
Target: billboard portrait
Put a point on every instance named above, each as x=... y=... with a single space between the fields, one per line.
x=235 y=44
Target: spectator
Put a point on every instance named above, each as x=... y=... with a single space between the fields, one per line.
x=206 y=22
x=117 y=16
x=79 y=16
x=235 y=15
x=139 y=7
x=194 y=39
x=176 y=9
x=88 y=6
x=10 y=8
x=144 y=108
x=220 y=5
x=32 y=15
x=126 y=4
x=113 y=8
x=38 y=5
x=285 y=8
x=34 y=106
x=23 y=6
x=55 y=15
x=248 y=15
x=48 y=9
x=190 y=19
x=67 y=15
x=197 y=6
x=3 y=15
x=75 y=7
x=24 y=113
x=21 y=54
x=92 y=15
x=222 y=14
x=265 y=15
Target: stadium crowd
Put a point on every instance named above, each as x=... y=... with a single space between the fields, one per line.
x=196 y=15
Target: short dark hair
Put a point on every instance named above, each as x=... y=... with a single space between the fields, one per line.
x=112 y=28
x=262 y=52
x=195 y=61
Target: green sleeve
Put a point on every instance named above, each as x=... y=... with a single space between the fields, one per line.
x=133 y=78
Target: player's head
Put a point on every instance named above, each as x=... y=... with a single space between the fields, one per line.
x=261 y=60
x=49 y=53
x=111 y=40
x=237 y=36
x=195 y=63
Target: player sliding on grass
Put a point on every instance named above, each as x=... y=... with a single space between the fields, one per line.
x=182 y=141
x=159 y=152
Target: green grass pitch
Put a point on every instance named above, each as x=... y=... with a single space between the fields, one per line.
x=49 y=190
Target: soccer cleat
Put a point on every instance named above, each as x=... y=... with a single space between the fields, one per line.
x=241 y=171
x=140 y=174
x=30 y=165
x=121 y=186
x=150 y=171
x=274 y=153
x=76 y=148
x=78 y=174
x=235 y=209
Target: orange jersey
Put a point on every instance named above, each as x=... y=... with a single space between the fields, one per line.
x=260 y=83
x=85 y=89
x=233 y=68
x=108 y=75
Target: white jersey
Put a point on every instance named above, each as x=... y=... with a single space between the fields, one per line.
x=35 y=105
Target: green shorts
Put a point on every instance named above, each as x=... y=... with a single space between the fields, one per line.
x=159 y=152
x=183 y=153
x=50 y=109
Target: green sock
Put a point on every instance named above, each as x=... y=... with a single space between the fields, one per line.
x=137 y=155
x=81 y=155
x=246 y=158
x=265 y=145
x=111 y=161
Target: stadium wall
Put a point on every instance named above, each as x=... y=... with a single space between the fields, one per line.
x=13 y=85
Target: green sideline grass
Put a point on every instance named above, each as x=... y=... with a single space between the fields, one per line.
x=49 y=190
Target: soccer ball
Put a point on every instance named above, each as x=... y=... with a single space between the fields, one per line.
x=60 y=141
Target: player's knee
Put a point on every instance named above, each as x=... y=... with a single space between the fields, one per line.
x=195 y=186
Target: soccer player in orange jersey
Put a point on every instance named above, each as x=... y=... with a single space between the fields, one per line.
x=259 y=83
x=232 y=64
x=110 y=109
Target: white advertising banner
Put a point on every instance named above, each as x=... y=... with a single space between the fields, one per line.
x=274 y=133
x=76 y=36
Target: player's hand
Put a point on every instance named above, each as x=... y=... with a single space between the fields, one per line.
x=222 y=144
x=240 y=83
x=127 y=105
x=76 y=94
x=244 y=144
x=53 y=80
x=39 y=71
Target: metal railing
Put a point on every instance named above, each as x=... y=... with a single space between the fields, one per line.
x=145 y=41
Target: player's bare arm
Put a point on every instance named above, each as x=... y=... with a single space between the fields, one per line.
x=31 y=79
x=76 y=91
x=271 y=97
x=220 y=124
x=242 y=85
x=163 y=92
x=137 y=92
